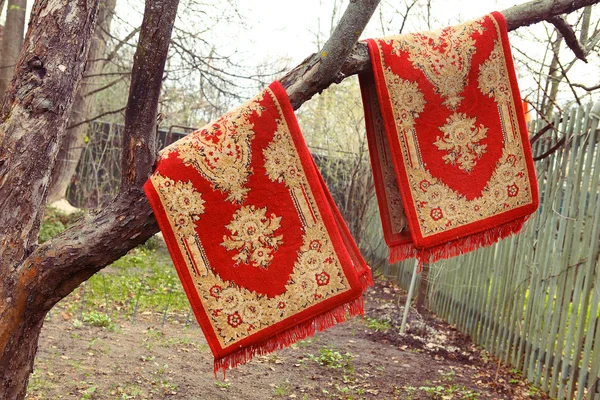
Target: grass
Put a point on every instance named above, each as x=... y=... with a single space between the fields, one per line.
x=442 y=392
x=283 y=389
x=142 y=282
x=55 y=222
x=224 y=386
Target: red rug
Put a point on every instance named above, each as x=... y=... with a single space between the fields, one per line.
x=261 y=249
x=448 y=141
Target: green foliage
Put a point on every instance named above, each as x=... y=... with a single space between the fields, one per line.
x=444 y=392
x=142 y=281
x=533 y=391
x=448 y=376
x=283 y=389
x=378 y=325
x=332 y=359
x=152 y=244
x=223 y=385
x=88 y=393
x=98 y=319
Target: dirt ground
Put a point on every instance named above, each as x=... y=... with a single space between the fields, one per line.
x=360 y=359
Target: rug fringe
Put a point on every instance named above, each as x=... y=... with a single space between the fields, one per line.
x=469 y=243
x=401 y=252
x=366 y=279
x=284 y=339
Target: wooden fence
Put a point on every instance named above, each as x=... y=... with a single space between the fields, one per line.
x=98 y=175
x=533 y=299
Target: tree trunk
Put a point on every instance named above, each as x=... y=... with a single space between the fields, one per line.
x=12 y=40
x=34 y=278
x=553 y=80
x=83 y=107
x=18 y=343
x=33 y=118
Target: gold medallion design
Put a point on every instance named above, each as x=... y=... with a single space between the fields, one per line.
x=493 y=78
x=441 y=54
x=186 y=205
x=252 y=235
x=406 y=98
x=221 y=151
x=461 y=141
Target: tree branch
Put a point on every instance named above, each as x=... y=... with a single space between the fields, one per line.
x=121 y=43
x=569 y=35
x=323 y=69
x=98 y=116
x=551 y=150
x=301 y=89
x=587 y=88
x=541 y=10
x=139 y=135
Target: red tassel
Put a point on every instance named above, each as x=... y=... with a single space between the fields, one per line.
x=366 y=280
x=284 y=339
x=401 y=252
x=469 y=243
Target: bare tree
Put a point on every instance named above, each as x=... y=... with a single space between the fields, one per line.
x=34 y=115
x=12 y=40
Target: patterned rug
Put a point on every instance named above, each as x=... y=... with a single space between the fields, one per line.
x=448 y=142
x=261 y=249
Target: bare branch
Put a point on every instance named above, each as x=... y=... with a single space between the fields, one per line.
x=569 y=35
x=325 y=67
x=564 y=74
x=104 y=114
x=139 y=135
x=585 y=24
x=587 y=88
x=541 y=10
x=551 y=150
x=541 y=132
x=103 y=88
x=119 y=45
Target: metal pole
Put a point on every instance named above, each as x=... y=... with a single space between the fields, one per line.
x=409 y=296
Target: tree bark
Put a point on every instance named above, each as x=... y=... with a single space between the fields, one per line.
x=83 y=107
x=32 y=121
x=139 y=135
x=12 y=41
x=33 y=118
x=301 y=87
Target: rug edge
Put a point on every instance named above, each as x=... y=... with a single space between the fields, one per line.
x=300 y=331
